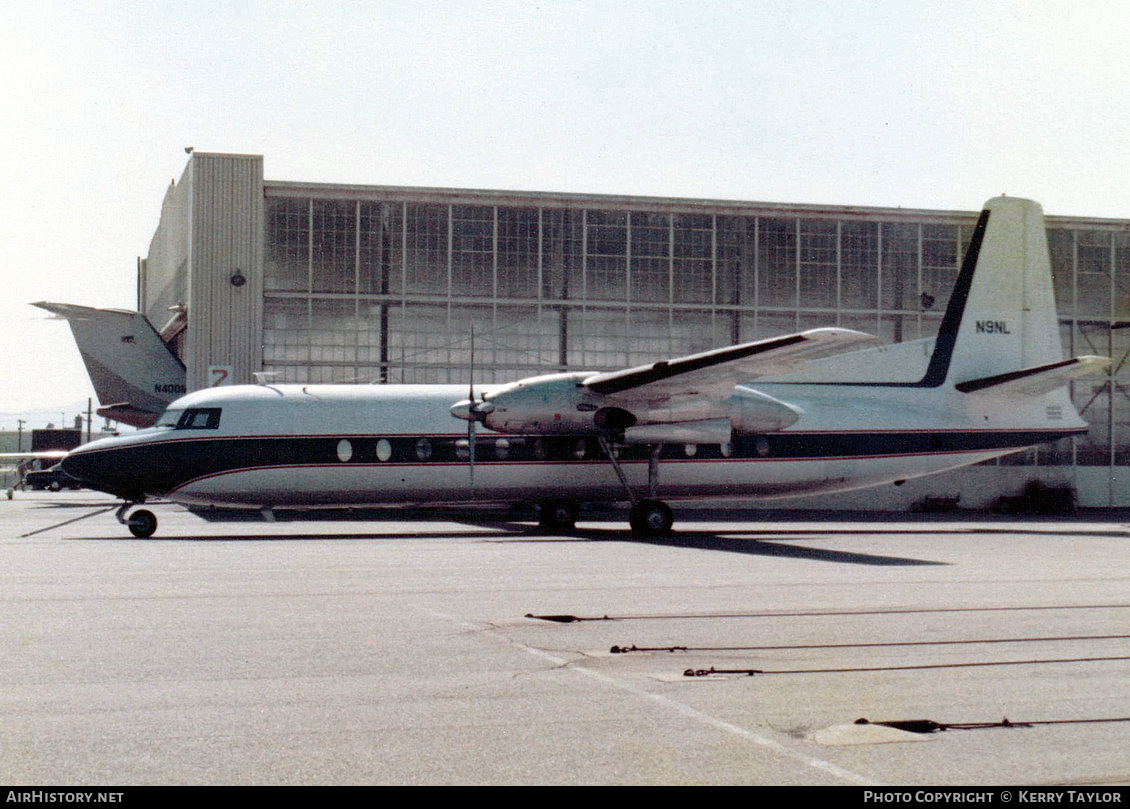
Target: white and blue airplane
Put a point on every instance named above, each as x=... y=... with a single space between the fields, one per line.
x=824 y=410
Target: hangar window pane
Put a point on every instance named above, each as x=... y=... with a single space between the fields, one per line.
x=1061 y=247
x=897 y=328
x=1093 y=281
x=651 y=264
x=771 y=324
x=379 y=248
x=900 y=266
x=523 y=342
x=285 y=328
x=426 y=249
x=606 y=259
x=334 y=240
x=472 y=250
x=694 y=258
x=598 y=339
x=777 y=262
x=863 y=323
x=655 y=335
x=736 y=274
x=562 y=242
x=518 y=253
x=420 y=344
x=939 y=266
x=818 y=264
x=287 y=256
x=334 y=336
x=859 y=265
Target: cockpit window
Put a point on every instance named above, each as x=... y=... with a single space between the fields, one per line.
x=170 y=418
x=200 y=418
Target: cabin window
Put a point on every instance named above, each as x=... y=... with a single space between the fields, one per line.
x=200 y=418
x=384 y=450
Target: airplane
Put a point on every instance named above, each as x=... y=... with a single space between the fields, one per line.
x=135 y=372
x=824 y=410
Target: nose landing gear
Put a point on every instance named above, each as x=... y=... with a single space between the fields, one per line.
x=141 y=523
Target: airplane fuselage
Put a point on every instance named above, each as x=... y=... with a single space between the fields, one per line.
x=323 y=446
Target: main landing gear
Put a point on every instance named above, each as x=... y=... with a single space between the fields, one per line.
x=557 y=515
x=649 y=517
x=141 y=523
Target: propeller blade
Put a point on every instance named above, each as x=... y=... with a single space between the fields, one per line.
x=471 y=375
x=471 y=451
x=471 y=411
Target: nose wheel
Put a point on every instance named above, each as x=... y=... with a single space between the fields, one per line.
x=141 y=523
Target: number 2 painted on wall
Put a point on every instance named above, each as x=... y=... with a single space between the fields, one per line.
x=219 y=375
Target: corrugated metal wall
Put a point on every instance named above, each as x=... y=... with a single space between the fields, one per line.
x=225 y=318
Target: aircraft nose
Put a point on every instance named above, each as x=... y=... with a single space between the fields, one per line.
x=96 y=469
x=83 y=468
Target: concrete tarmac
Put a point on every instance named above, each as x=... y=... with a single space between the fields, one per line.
x=431 y=649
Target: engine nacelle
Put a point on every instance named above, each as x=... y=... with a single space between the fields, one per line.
x=753 y=412
x=544 y=405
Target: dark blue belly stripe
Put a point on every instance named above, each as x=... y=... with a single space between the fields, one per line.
x=161 y=466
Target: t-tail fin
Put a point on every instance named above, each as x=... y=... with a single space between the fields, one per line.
x=134 y=372
x=1001 y=317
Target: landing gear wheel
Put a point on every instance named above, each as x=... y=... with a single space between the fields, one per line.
x=651 y=518
x=557 y=515
x=142 y=523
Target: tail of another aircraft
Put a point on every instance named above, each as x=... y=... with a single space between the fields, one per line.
x=134 y=372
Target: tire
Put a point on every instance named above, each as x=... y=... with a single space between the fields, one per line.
x=142 y=523
x=651 y=518
x=559 y=515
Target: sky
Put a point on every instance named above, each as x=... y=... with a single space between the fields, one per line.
x=913 y=103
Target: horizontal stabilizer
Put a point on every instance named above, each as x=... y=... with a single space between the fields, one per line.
x=1038 y=380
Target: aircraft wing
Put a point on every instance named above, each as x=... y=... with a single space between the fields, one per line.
x=715 y=373
x=1039 y=379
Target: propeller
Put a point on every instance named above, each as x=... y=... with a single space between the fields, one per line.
x=471 y=411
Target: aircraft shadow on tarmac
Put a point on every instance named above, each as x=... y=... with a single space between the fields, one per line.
x=764 y=544
x=504 y=526
x=500 y=529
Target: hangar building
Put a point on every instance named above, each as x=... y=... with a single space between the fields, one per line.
x=317 y=282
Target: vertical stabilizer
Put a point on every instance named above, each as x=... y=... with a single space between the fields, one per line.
x=134 y=373
x=1001 y=316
